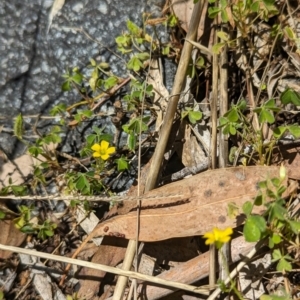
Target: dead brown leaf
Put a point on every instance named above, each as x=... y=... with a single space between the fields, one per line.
x=110 y=253
x=183 y=11
x=11 y=236
x=192 y=153
x=189 y=207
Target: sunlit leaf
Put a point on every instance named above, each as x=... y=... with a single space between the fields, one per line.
x=232 y=129
x=213 y=11
x=223 y=35
x=77 y=78
x=134 y=64
x=133 y=28
x=283 y=265
x=279 y=131
x=247 y=208
x=143 y=56
x=224 y=16
x=290 y=96
x=216 y=48
x=122 y=164
x=253 y=228
x=131 y=141
x=266 y=116
x=294 y=130
x=290 y=33
x=232 y=115
x=110 y=82
x=295 y=226
x=194 y=116
x=66 y=86
x=255 y=6
x=276 y=238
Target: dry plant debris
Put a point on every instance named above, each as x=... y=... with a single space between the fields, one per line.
x=238 y=107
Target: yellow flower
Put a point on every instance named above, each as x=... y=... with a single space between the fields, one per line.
x=103 y=150
x=218 y=236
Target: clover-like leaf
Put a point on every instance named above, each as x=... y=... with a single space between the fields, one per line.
x=294 y=130
x=290 y=96
x=217 y=48
x=223 y=35
x=122 y=163
x=194 y=116
x=213 y=11
x=133 y=28
x=134 y=64
x=232 y=115
x=77 y=78
x=65 y=87
x=295 y=226
x=279 y=131
x=253 y=228
x=143 y=56
x=266 y=116
x=247 y=208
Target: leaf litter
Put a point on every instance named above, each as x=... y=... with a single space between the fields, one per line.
x=181 y=210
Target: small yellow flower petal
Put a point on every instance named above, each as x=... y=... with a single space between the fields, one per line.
x=104 y=145
x=96 y=147
x=96 y=154
x=105 y=157
x=228 y=231
x=218 y=236
x=111 y=150
x=209 y=238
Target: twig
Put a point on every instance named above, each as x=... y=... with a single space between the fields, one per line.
x=172 y=107
x=223 y=147
x=213 y=106
x=127 y=262
x=132 y=247
x=213 y=146
x=108 y=269
x=223 y=139
x=58 y=197
x=212 y=266
x=24 y=288
x=108 y=94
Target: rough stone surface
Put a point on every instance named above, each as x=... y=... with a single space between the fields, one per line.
x=32 y=61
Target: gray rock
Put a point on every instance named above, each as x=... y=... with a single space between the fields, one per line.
x=33 y=61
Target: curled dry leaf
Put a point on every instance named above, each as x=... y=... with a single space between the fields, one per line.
x=192 y=153
x=183 y=11
x=188 y=207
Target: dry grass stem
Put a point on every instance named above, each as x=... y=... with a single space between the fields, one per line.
x=108 y=269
